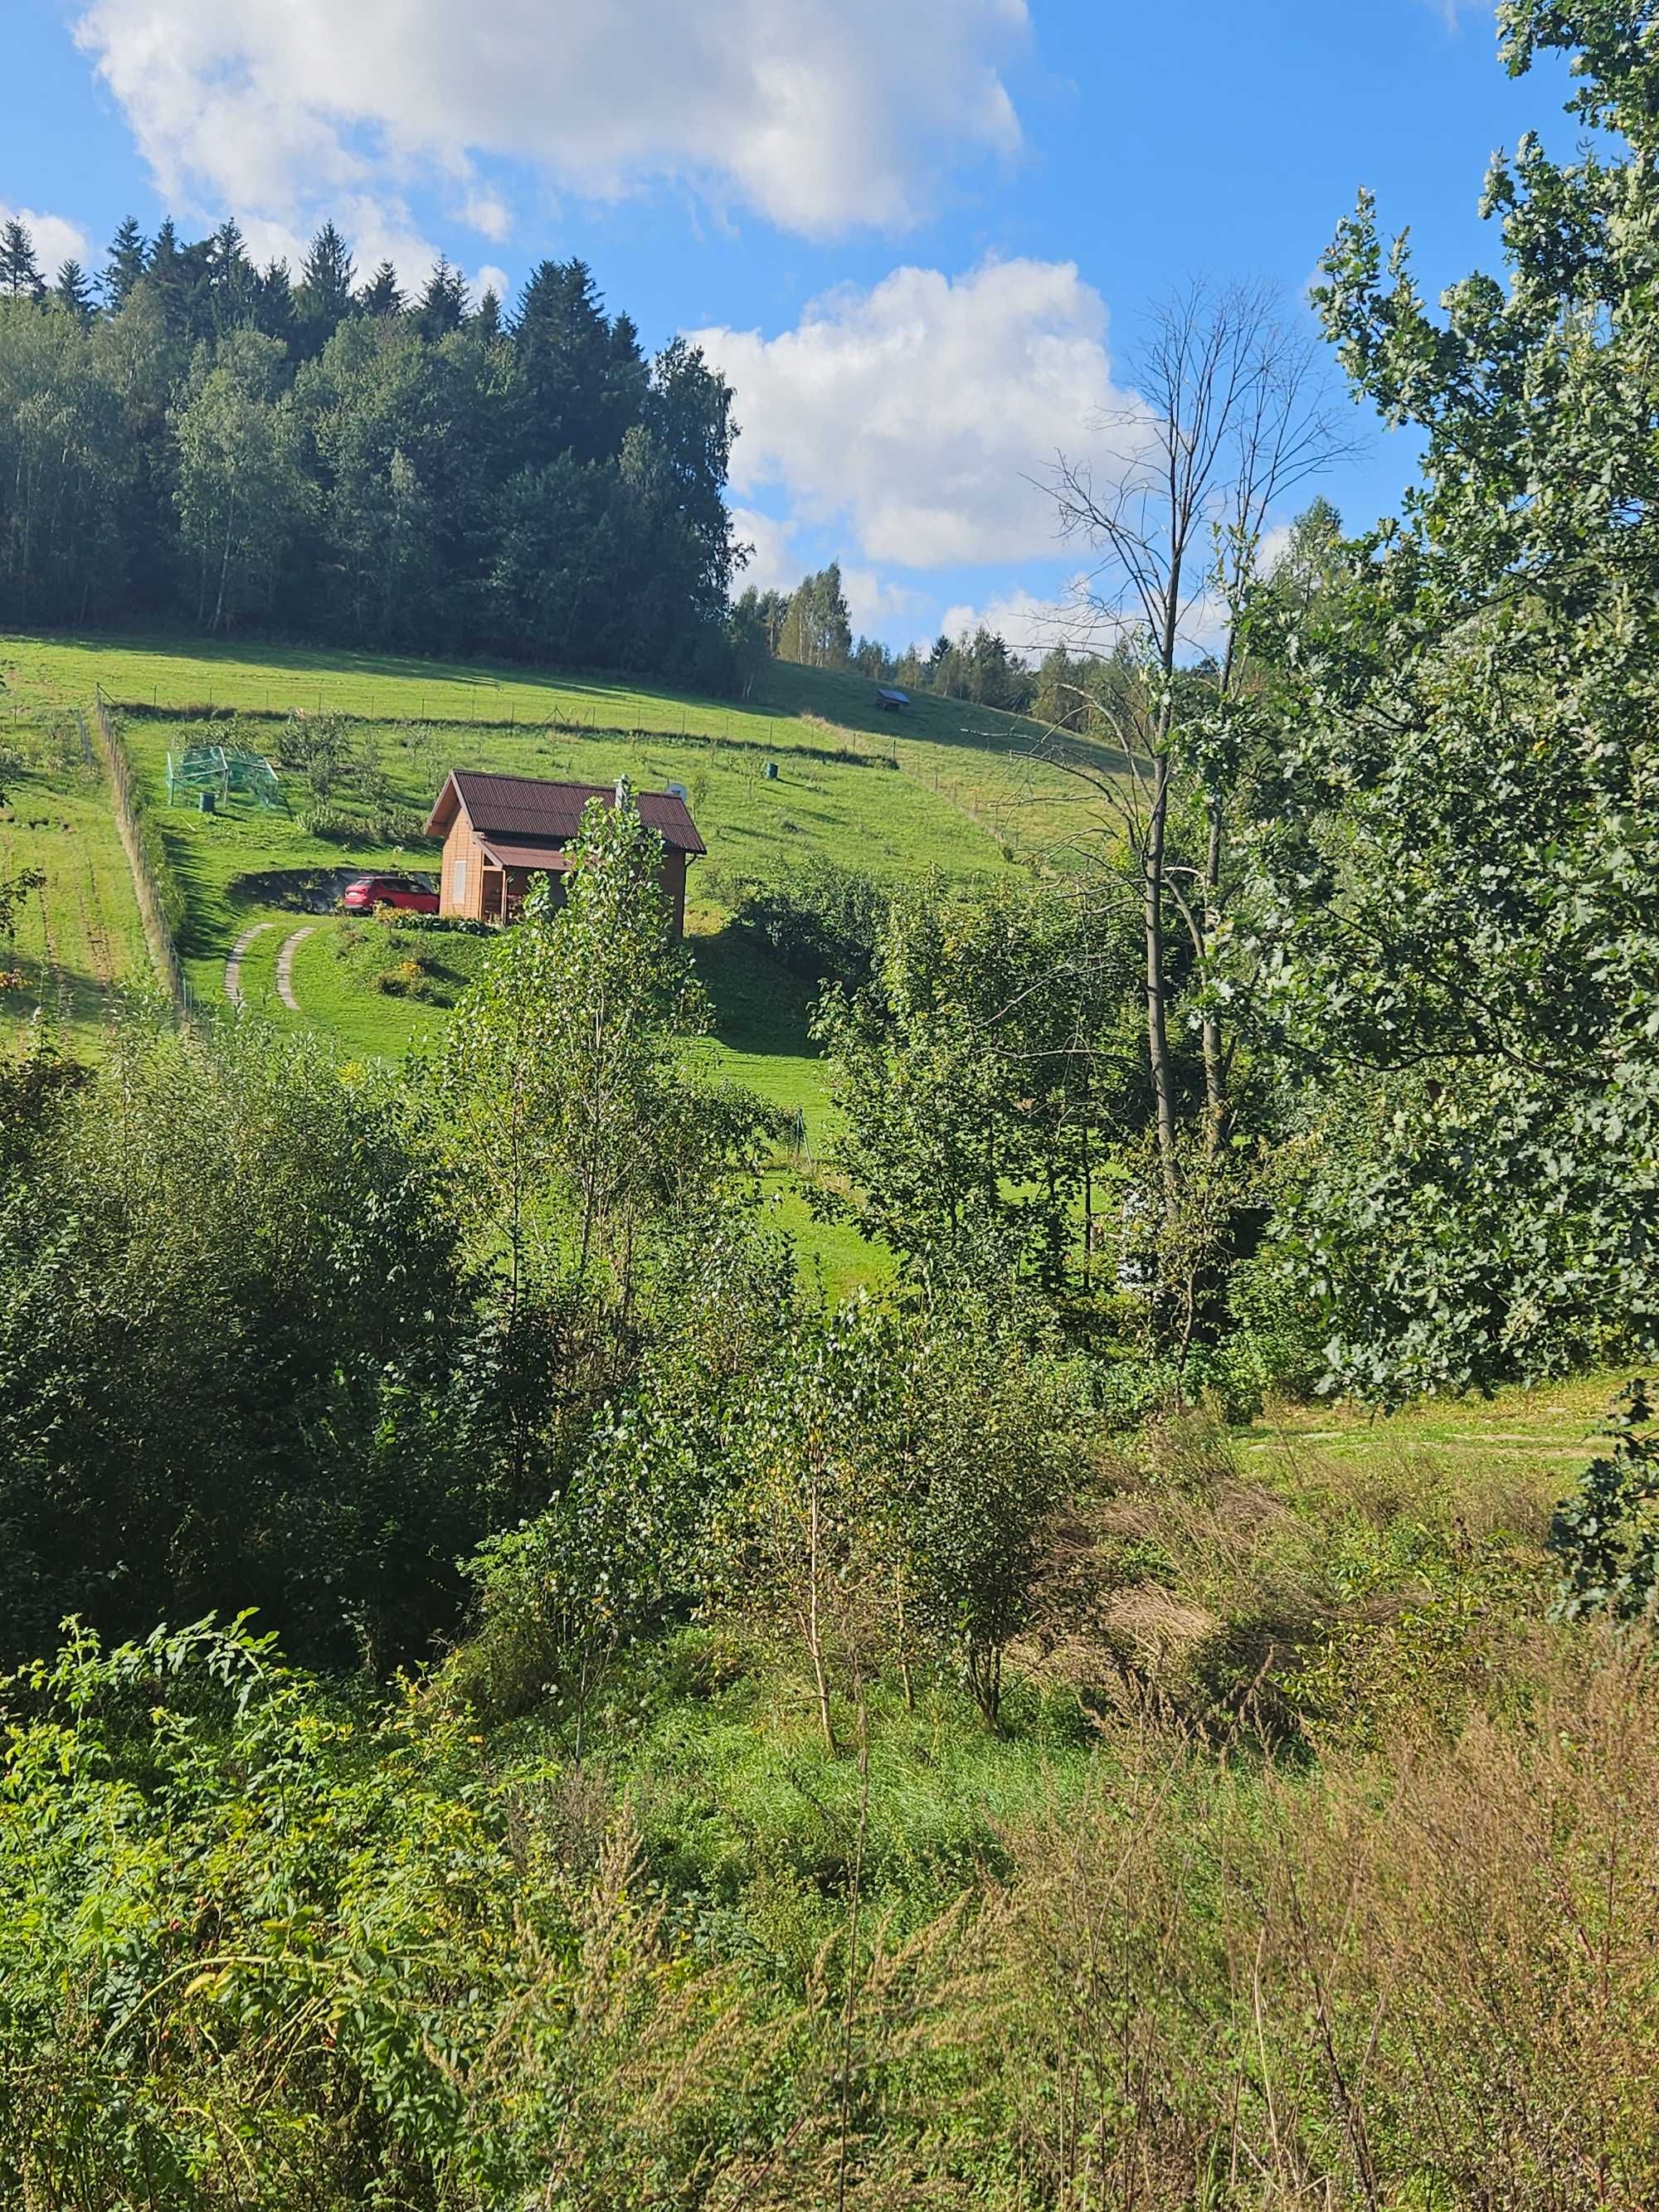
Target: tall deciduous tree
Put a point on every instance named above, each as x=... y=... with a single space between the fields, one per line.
x=241 y=491
x=1228 y=419
x=1456 y=910
x=817 y=631
x=563 y=1063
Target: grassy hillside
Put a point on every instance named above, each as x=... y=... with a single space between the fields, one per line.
x=951 y=788
x=79 y=943
x=976 y=759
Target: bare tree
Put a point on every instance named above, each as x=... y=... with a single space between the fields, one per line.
x=1228 y=416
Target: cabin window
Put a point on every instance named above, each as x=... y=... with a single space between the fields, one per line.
x=460 y=875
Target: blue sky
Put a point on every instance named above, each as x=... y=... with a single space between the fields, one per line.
x=917 y=232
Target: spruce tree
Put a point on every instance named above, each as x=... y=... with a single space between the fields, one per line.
x=72 y=293
x=322 y=299
x=486 y=318
x=232 y=283
x=20 y=272
x=129 y=257
x=441 y=308
x=382 y=295
x=563 y=344
x=273 y=303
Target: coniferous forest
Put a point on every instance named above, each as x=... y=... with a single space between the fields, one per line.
x=192 y=440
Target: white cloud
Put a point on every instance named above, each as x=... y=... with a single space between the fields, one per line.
x=820 y=114
x=267 y=241
x=774 y=565
x=1034 y=626
x=489 y=278
x=916 y=414
x=877 y=608
x=55 y=239
x=488 y=212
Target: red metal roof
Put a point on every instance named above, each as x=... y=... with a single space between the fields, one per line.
x=528 y=810
x=513 y=853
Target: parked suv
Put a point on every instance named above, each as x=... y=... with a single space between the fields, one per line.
x=370 y=891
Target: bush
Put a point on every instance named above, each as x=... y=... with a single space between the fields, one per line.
x=820 y=922
x=1607 y=1536
x=231 y=1305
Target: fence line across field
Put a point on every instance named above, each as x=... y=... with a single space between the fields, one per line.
x=164 y=952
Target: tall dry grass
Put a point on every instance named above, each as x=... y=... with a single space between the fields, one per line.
x=1427 y=1977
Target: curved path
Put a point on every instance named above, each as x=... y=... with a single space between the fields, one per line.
x=285 y=967
x=233 y=965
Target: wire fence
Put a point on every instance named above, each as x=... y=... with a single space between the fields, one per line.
x=163 y=952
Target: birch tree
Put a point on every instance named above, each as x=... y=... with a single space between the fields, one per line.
x=1228 y=417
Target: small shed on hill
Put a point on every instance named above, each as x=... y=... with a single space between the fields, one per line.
x=895 y=701
x=500 y=830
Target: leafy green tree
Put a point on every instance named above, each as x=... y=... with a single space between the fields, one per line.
x=369 y=405
x=817 y=631
x=241 y=489
x=988 y=1450
x=1455 y=909
x=564 y=1064
x=746 y=632
x=63 y=467
x=1606 y=1536
x=687 y=411
x=985 y=1074
x=802 y=1547
x=232 y=1306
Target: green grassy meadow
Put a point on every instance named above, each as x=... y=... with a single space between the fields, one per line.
x=79 y=945
x=950 y=788
x=977 y=760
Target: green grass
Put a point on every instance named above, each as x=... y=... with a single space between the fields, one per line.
x=1532 y=1440
x=860 y=815
x=950 y=788
x=975 y=761
x=79 y=943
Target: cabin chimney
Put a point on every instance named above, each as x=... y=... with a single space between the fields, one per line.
x=624 y=793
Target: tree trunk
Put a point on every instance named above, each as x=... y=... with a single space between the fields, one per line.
x=814 y=1630
x=1215 y=1098
x=1158 y=1037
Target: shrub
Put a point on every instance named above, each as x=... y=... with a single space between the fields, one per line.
x=1607 y=1536
x=820 y=922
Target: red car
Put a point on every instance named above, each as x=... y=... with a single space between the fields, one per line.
x=371 y=891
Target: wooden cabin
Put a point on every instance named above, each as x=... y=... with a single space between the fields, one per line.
x=500 y=830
